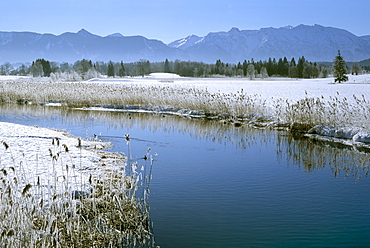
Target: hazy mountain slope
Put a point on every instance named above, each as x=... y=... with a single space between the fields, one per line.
x=316 y=43
x=26 y=46
x=365 y=62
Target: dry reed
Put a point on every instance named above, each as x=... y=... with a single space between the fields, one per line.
x=110 y=210
x=335 y=111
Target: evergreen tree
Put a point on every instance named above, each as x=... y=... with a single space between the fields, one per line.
x=122 y=70
x=143 y=67
x=270 y=67
x=340 y=69
x=177 y=66
x=300 y=66
x=110 y=69
x=292 y=62
x=245 y=66
x=285 y=71
x=219 y=67
x=280 y=67
x=46 y=68
x=166 y=68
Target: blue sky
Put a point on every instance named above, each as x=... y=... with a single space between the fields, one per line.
x=168 y=20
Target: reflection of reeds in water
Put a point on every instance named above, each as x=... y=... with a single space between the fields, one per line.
x=110 y=210
x=216 y=131
x=316 y=155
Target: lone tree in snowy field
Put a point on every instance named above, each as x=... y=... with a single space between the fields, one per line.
x=340 y=69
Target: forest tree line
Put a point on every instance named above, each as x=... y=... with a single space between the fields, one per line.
x=87 y=69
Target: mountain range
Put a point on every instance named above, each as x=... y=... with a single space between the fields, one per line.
x=315 y=43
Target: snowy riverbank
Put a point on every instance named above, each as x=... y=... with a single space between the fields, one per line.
x=41 y=154
x=59 y=191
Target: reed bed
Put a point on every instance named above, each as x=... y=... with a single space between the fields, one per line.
x=334 y=111
x=89 y=94
x=109 y=210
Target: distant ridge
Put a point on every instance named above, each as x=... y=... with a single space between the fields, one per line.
x=70 y=47
x=315 y=43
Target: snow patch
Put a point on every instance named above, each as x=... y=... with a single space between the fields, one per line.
x=339 y=132
x=199 y=41
x=13 y=78
x=44 y=153
x=346 y=135
x=362 y=137
x=163 y=75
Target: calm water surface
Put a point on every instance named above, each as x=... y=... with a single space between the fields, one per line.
x=215 y=185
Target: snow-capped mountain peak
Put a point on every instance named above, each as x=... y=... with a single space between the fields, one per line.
x=186 y=42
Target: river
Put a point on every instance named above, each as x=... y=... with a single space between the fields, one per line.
x=217 y=185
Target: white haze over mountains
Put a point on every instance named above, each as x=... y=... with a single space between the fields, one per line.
x=316 y=43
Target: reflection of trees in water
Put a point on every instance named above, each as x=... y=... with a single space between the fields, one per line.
x=315 y=155
x=310 y=154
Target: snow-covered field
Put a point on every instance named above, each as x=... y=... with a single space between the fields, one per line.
x=269 y=88
x=42 y=155
x=286 y=88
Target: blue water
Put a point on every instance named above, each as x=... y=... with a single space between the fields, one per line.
x=215 y=185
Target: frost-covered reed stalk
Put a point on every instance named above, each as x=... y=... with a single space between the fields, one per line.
x=335 y=111
x=106 y=213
